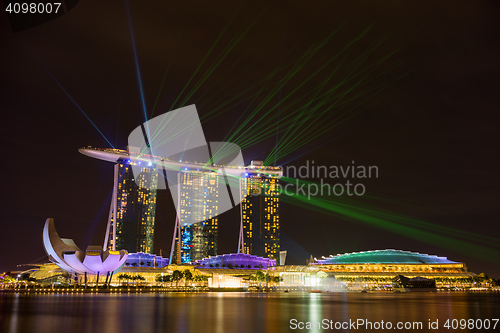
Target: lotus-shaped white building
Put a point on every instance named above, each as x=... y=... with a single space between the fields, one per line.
x=68 y=256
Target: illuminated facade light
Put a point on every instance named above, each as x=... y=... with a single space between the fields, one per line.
x=260 y=215
x=391 y=263
x=68 y=256
x=136 y=208
x=198 y=201
x=235 y=260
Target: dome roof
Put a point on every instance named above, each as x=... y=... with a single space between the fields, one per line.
x=384 y=257
x=243 y=260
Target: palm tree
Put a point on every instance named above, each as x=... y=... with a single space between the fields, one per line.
x=123 y=277
x=200 y=278
x=188 y=276
x=260 y=277
x=129 y=278
x=164 y=278
x=139 y=278
x=177 y=275
x=268 y=278
x=133 y=277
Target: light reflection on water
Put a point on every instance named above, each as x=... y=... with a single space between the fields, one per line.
x=229 y=312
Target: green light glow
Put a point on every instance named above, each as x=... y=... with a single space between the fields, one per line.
x=327 y=94
x=317 y=98
x=358 y=211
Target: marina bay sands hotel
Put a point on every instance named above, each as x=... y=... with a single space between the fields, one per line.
x=201 y=194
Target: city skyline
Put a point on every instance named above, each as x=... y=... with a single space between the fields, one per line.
x=393 y=93
x=133 y=204
x=249 y=166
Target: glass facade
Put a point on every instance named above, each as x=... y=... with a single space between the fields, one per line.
x=136 y=208
x=145 y=260
x=260 y=215
x=199 y=200
x=235 y=260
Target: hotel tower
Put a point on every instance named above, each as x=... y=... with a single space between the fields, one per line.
x=133 y=209
x=199 y=195
x=202 y=192
x=260 y=215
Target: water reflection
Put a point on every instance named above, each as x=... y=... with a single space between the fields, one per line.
x=229 y=312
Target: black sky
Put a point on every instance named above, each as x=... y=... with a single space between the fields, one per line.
x=433 y=132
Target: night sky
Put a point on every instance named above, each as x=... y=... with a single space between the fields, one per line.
x=431 y=128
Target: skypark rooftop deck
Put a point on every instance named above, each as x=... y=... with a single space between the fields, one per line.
x=114 y=155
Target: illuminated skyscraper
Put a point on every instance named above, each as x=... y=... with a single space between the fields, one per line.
x=199 y=196
x=199 y=199
x=260 y=215
x=134 y=206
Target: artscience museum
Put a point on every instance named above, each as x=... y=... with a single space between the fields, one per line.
x=70 y=258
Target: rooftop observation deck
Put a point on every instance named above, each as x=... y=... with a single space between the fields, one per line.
x=115 y=155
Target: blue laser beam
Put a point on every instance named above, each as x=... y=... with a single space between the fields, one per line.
x=137 y=69
x=109 y=201
x=71 y=98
